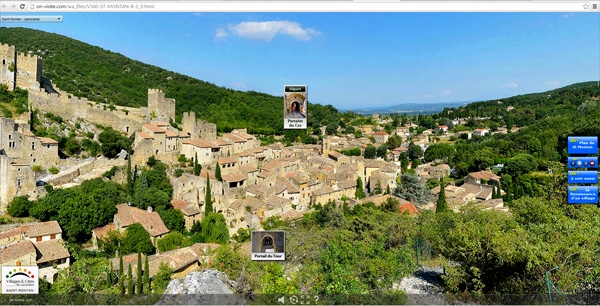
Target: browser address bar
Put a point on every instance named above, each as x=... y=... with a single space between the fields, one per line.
x=312 y=6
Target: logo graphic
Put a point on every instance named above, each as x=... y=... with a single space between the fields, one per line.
x=20 y=280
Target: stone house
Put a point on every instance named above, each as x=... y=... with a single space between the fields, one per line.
x=482 y=177
x=191 y=212
x=38 y=244
x=206 y=150
x=150 y=220
x=381 y=136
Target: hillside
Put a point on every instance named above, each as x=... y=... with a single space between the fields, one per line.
x=104 y=76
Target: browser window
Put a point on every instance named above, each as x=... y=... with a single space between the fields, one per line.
x=170 y=152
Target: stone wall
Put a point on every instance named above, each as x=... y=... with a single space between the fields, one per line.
x=198 y=128
x=8 y=58
x=123 y=119
x=160 y=108
x=29 y=71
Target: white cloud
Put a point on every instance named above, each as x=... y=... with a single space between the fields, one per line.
x=445 y=92
x=220 y=35
x=267 y=30
x=511 y=85
x=553 y=83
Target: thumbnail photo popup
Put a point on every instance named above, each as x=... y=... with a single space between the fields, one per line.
x=268 y=245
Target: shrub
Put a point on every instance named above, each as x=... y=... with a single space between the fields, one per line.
x=53 y=170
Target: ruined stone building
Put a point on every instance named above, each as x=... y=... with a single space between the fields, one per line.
x=19 y=151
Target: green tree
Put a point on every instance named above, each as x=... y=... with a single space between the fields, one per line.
x=137 y=240
x=414 y=151
x=412 y=190
x=173 y=240
x=19 y=206
x=377 y=189
x=146 y=276
x=138 y=286
x=520 y=164
x=109 y=276
x=441 y=204
x=207 y=198
x=218 y=172
x=370 y=152
x=360 y=191
x=214 y=229
x=129 y=175
x=382 y=151
x=121 y=275
x=112 y=142
x=161 y=280
x=129 y=280
x=197 y=167
x=139 y=190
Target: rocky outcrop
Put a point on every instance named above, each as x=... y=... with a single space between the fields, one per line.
x=210 y=287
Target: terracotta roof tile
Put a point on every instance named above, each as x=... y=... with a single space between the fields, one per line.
x=144 y=135
x=154 y=128
x=16 y=250
x=151 y=221
x=234 y=177
x=201 y=143
x=42 y=229
x=102 y=232
x=51 y=250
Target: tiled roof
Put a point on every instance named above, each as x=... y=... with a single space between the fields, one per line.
x=248 y=168
x=170 y=133
x=11 y=233
x=16 y=250
x=144 y=135
x=102 y=232
x=28 y=133
x=160 y=123
x=226 y=160
x=380 y=133
x=154 y=128
x=234 y=177
x=42 y=229
x=234 y=138
x=45 y=140
x=276 y=202
x=185 y=207
x=151 y=221
x=410 y=208
x=51 y=250
x=201 y=143
x=486 y=175
x=222 y=142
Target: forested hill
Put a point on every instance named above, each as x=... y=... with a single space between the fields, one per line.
x=523 y=110
x=104 y=76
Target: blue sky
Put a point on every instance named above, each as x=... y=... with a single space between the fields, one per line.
x=353 y=60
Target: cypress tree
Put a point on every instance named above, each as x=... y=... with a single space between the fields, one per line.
x=138 y=285
x=109 y=276
x=197 y=166
x=129 y=174
x=121 y=276
x=360 y=192
x=146 y=276
x=441 y=205
x=207 y=199
x=218 y=173
x=129 y=281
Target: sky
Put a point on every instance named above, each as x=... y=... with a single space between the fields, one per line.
x=357 y=60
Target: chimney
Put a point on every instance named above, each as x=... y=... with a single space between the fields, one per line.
x=150 y=209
